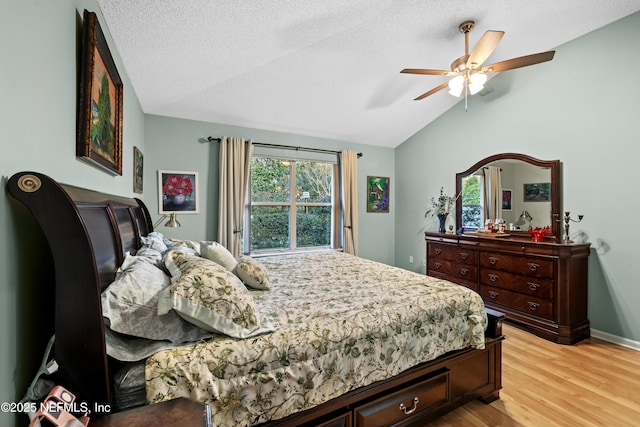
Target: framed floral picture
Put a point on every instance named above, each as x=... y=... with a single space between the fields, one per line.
x=177 y=192
x=506 y=199
x=377 y=194
x=99 y=136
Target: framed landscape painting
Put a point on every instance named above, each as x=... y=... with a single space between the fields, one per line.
x=539 y=192
x=99 y=139
x=138 y=166
x=377 y=194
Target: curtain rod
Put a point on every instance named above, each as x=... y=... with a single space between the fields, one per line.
x=286 y=147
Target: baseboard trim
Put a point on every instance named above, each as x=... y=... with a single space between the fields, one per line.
x=614 y=339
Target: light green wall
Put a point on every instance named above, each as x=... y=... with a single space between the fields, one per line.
x=582 y=108
x=551 y=111
x=178 y=144
x=39 y=41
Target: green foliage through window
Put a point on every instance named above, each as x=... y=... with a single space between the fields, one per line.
x=291 y=204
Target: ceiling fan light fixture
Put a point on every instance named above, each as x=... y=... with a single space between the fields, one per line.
x=476 y=82
x=456 y=85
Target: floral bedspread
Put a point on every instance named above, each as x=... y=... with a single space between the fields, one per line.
x=341 y=322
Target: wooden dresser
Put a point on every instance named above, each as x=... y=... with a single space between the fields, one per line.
x=540 y=286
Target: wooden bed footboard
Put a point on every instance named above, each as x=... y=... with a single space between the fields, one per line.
x=89 y=232
x=419 y=394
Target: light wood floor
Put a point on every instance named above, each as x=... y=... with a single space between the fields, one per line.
x=592 y=383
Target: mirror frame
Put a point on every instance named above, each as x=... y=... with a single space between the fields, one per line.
x=552 y=165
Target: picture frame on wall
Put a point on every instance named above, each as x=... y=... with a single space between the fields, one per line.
x=177 y=192
x=138 y=169
x=538 y=192
x=378 y=194
x=99 y=136
x=506 y=199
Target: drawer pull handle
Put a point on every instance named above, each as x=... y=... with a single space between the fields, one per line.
x=533 y=286
x=464 y=255
x=464 y=271
x=532 y=305
x=493 y=294
x=493 y=260
x=438 y=251
x=409 y=411
x=533 y=266
x=437 y=265
x=493 y=277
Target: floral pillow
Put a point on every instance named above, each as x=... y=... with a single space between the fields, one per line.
x=130 y=304
x=252 y=273
x=217 y=253
x=209 y=296
x=188 y=246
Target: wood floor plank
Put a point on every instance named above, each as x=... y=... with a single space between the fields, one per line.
x=592 y=383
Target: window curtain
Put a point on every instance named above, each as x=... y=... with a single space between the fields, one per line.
x=492 y=193
x=349 y=176
x=235 y=165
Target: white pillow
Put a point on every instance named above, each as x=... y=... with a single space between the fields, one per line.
x=130 y=304
x=217 y=253
x=209 y=296
x=154 y=240
x=252 y=273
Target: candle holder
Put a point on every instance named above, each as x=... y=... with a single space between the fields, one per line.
x=567 y=220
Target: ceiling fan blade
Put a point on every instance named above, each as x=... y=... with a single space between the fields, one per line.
x=485 y=46
x=522 y=61
x=425 y=71
x=432 y=91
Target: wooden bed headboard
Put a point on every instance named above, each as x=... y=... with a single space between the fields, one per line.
x=88 y=233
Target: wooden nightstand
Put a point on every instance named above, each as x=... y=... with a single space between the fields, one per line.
x=172 y=413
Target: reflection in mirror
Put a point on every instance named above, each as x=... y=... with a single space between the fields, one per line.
x=521 y=190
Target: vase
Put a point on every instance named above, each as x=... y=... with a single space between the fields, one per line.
x=442 y=219
x=179 y=199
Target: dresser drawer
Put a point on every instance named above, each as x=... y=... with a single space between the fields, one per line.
x=452 y=253
x=530 y=266
x=453 y=269
x=534 y=286
x=402 y=406
x=524 y=303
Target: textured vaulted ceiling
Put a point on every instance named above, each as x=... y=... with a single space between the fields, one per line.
x=326 y=68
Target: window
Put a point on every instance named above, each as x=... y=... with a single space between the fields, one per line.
x=472 y=216
x=293 y=205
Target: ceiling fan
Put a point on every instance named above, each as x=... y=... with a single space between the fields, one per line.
x=468 y=73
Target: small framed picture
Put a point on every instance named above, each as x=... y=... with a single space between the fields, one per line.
x=540 y=192
x=177 y=192
x=138 y=163
x=378 y=194
x=506 y=199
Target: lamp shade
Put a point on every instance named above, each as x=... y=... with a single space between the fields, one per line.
x=456 y=85
x=173 y=221
x=476 y=82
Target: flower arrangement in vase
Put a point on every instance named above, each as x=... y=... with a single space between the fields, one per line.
x=440 y=207
x=178 y=188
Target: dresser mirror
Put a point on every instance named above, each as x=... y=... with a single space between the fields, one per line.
x=519 y=189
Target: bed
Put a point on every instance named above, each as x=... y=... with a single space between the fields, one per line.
x=342 y=341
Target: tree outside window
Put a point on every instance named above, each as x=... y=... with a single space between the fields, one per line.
x=291 y=204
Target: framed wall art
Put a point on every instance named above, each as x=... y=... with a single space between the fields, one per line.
x=177 y=192
x=377 y=194
x=138 y=166
x=506 y=199
x=540 y=192
x=100 y=104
